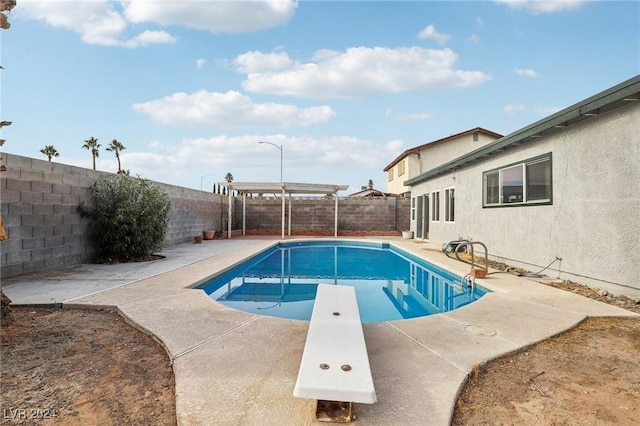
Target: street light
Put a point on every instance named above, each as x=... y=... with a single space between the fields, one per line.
x=280 y=148
x=281 y=181
x=202 y=178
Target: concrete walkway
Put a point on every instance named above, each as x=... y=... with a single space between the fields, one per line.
x=236 y=368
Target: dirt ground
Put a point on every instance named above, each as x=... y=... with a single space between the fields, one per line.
x=80 y=367
x=587 y=376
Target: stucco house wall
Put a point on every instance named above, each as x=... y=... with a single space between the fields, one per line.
x=430 y=155
x=592 y=224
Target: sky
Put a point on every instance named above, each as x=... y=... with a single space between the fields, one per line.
x=190 y=88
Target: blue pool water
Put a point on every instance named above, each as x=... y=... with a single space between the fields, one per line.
x=390 y=283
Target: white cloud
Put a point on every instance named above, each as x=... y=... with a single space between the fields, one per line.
x=362 y=71
x=213 y=16
x=430 y=33
x=259 y=62
x=403 y=116
x=103 y=22
x=200 y=62
x=150 y=37
x=526 y=72
x=347 y=158
x=97 y=22
x=474 y=38
x=394 y=146
x=514 y=109
x=229 y=110
x=544 y=6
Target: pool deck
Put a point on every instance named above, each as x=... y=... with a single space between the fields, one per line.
x=236 y=368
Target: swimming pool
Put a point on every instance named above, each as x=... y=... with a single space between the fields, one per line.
x=390 y=284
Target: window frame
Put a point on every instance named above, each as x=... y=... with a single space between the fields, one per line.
x=435 y=206
x=413 y=208
x=401 y=168
x=486 y=192
x=450 y=204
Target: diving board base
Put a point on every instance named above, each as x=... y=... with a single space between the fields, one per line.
x=334 y=411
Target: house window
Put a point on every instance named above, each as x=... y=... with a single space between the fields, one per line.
x=475 y=136
x=401 y=168
x=413 y=208
x=528 y=182
x=449 y=205
x=435 y=206
x=390 y=175
x=512 y=185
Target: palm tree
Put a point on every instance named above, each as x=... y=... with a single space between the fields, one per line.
x=116 y=147
x=92 y=145
x=228 y=177
x=50 y=151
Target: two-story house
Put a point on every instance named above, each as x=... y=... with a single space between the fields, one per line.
x=415 y=161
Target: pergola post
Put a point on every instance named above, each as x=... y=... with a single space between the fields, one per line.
x=283 y=209
x=229 y=219
x=244 y=213
x=290 y=202
x=335 y=233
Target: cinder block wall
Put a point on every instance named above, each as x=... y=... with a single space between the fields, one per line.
x=38 y=202
x=316 y=216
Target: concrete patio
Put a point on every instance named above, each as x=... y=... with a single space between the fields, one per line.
x=236 y=368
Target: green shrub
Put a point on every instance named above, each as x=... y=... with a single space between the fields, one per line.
x=130 y=218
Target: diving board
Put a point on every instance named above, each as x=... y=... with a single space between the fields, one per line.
x=335 y=364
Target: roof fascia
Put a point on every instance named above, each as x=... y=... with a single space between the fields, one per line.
x=551 y=124
x=417 y=149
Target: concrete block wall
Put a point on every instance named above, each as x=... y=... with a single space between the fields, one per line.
x=38 y=201
x=370 y=214
x=356 y=216
x=192 y=213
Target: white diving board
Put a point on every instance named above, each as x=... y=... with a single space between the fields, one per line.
x=335 y=364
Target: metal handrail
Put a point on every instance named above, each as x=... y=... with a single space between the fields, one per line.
x=464 y=243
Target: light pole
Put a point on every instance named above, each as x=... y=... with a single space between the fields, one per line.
x=202 y=178
x=281 y=181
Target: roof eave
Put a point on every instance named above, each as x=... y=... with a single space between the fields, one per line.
x=610 y=100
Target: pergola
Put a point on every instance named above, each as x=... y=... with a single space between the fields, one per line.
x=283 y=188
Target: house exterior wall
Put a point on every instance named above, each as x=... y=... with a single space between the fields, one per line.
x=593 y=222
x=395 y=181
x=431 y=156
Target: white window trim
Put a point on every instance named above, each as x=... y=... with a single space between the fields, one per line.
x=435 y=208
x=446 y=204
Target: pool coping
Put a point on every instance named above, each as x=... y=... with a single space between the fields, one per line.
x=418 y=365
